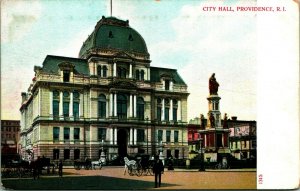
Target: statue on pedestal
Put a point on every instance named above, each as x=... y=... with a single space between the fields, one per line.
x=213 y=85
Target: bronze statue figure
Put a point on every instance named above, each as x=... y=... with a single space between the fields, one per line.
x=213 y=85
x=212 y=120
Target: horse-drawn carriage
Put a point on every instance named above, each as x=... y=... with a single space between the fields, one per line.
x=141 y=165
x=87 y=164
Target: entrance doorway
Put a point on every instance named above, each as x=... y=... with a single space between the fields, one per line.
x=122 y=142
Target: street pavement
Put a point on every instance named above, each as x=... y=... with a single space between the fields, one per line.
x=113 y=178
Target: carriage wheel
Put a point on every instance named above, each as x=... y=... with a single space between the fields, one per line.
x=139 y=170
x=130 y=171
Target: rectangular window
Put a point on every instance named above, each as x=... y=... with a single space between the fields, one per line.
x=66 y=133
x=76 y=110
x=169 y=153
x=158 y=114
x=176 y=136
x=167 y=84
x=176 y=154
x=66 y=108
x=66 y=76
x=101 y=109
x=76 y=133
x=76 y=154
x=168 y=136
x=167 y=114
x=140 y=135
x=101 y=134
x=55 y=108
x=55 y=154
x=159 y=135
x=55 y=133
x=66 y=154
x=175 y=114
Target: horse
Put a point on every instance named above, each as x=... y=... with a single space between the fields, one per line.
x=97 y=163
x=128 y=163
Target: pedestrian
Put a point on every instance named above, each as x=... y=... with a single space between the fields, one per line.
x=158 y=169
x=60 y=168
x=39 y=166
x=34 y=168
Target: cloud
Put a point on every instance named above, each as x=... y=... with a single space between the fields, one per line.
x=17 y=18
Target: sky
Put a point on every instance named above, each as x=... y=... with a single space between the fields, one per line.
x=255 y=56
x=178 y=34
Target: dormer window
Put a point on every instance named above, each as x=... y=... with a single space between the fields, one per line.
x=66 y=76
x=130 y=37
x=167 y=84
x=110 y=35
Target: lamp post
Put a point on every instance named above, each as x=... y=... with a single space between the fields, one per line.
x=201 y=156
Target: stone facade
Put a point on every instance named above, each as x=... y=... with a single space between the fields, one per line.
x=108 y=100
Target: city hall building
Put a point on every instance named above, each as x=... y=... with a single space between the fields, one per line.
x=109 y=99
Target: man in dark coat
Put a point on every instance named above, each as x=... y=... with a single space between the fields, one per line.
x=158 y=168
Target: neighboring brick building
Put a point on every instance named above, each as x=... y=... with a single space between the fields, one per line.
x=242 y=138
x=109 y=98
x=10 y=135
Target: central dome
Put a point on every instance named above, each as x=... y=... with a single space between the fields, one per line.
x=114 y=34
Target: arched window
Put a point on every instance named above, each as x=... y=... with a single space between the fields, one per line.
x=101 y=106
x=158 y=109
x=104 y=74
x=140 y=108
x=175 y=106
x=55 y=103
x=66 y=103
x=122 y=106
x=167 y=108
x=99 y=71
x=76 y=102
x=142 y=75
x=121 y=72
x=137 y=75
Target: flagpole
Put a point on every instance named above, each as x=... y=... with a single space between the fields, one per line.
x=111 y=8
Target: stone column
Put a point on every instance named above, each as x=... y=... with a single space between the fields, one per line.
x=115 y=70
x=179 y=111
x=171 y=110
x=107 y=108
x=51 y=104
x=130 y=70
x=205 y=140
x=111 y=135
x=163 y=109
x=163 y=84
x=81 y=104
x=135 y=136
x=111 y=101
x=60 y=103
x=134 y=105
x=115 y=140
x=130 y=136
x=115 y=104
x=130 y=105
x=71 y=105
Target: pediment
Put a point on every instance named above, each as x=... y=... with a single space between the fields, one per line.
x=123 y=55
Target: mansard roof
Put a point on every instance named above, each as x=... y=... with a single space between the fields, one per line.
x=51 y=64
x=156 y=73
